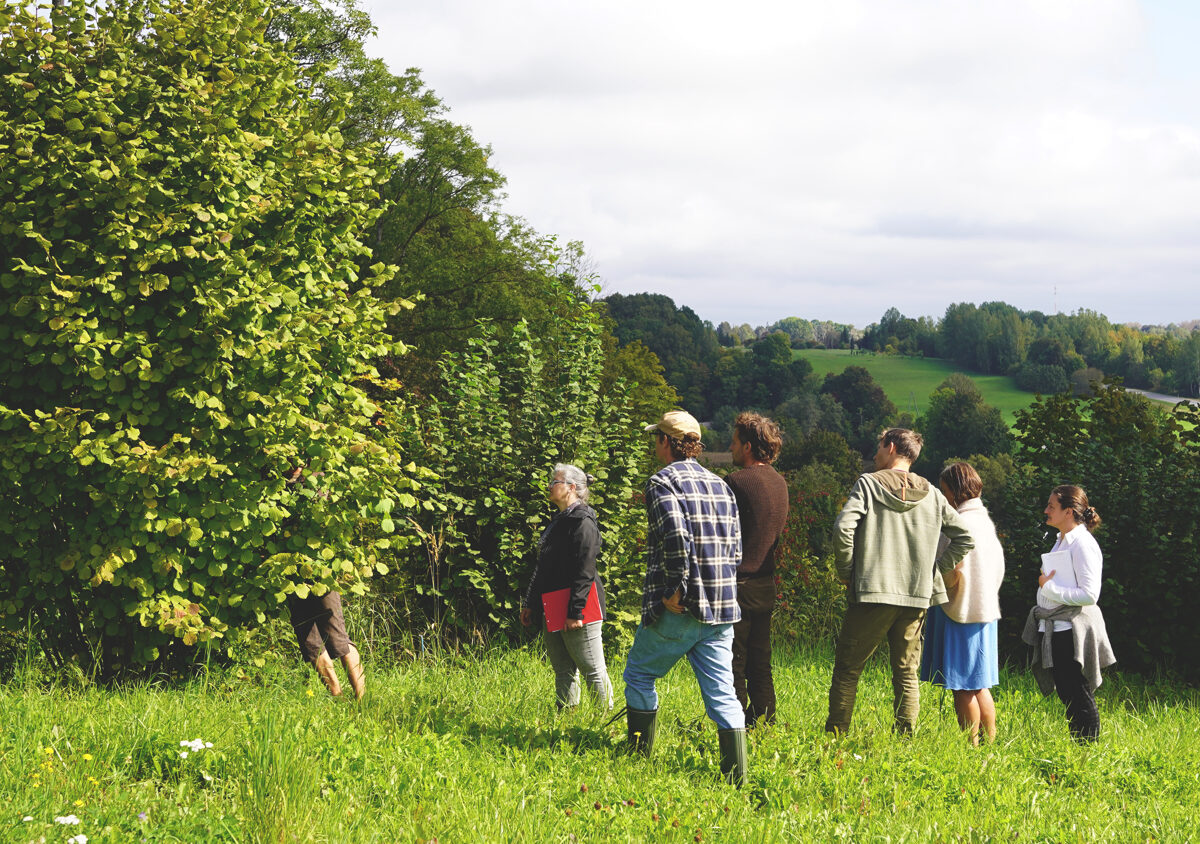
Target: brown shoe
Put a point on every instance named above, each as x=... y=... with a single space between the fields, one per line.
x=324 y=666
x=355 y=672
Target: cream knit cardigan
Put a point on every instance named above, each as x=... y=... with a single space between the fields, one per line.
x=976 y=596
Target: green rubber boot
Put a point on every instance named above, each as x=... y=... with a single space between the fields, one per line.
x=733 y=756
x=641 y=724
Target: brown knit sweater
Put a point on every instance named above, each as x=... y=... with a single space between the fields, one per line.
x=762 y=499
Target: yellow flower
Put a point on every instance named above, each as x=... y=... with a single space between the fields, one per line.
x=93 y=781
x=87 y=757
x=48 y=750
x=309 y=692
x=37 y=784
x=78 y=802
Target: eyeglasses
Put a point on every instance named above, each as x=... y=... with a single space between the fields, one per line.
x=559 y=481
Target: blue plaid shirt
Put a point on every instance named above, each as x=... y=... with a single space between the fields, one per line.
x=694 y=544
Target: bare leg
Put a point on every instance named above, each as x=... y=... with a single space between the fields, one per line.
x=354 y=672
x=967 y=708
x=987 y=713
x=324 y=666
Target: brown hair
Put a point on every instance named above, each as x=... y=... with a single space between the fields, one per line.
x=761 y=434
x=908 y=443
x=683 y=449
x=962 y=482
x=1073 y=498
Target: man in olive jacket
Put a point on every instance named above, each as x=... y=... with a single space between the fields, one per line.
x=885 y=544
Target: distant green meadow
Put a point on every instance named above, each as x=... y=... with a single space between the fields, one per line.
x=457 y=747
x=908 y=381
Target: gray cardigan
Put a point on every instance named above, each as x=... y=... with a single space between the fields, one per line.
x=1092 y=650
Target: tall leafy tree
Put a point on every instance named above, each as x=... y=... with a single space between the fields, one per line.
x=185 y=310
x=867 y=407
x=686 y=345
x=960 y=423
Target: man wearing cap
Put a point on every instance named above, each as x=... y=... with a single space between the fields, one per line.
x=689 y=601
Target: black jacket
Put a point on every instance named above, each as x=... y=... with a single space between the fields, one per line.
x=567 y=555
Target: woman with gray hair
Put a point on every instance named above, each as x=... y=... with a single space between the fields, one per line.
x=566 y=590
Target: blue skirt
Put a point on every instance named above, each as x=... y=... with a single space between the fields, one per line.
x=959 y=656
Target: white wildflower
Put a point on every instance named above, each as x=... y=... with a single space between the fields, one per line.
x=27 y=819
x=196 y=745
x=67 y=820
x=183 y=754
x=77 y=839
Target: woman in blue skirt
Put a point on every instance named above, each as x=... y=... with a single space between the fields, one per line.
x=960 y=636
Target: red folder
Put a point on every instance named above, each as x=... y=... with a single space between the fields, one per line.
x=555 y=606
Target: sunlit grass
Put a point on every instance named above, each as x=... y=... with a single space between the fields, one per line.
x=468 y=748
x=908 y=381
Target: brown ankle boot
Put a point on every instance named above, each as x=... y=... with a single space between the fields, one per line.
x=355 y=672
x=324 y=666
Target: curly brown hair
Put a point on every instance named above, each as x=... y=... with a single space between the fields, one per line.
x=761 y=434
x=683 y=449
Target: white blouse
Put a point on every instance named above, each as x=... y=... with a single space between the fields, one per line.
x=1079 y=586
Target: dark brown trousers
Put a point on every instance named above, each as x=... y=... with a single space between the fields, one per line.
x=752 y=678
x=319 y=625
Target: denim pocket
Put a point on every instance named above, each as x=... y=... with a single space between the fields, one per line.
x=671 y=626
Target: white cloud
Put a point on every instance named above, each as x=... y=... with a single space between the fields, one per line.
x=832 y=159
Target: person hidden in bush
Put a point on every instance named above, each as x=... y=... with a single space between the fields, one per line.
x=566 y=590
x=321 y=628
x=762 y=500
x=961 y=651
x=885 y=549
x=321 y=631
x=1065 y=627
x=689 y=600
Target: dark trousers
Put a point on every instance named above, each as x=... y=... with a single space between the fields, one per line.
x=319 y=625
x=1082 y=714
x=864 y=627
x=752 y=678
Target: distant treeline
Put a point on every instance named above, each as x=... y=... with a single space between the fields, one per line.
x=1044 y=353
x=1047 y=353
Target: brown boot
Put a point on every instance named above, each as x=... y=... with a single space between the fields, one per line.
x=324 y=666
x=355 y=672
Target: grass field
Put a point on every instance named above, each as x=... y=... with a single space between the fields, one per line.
x=909 y=381
x=469 y=748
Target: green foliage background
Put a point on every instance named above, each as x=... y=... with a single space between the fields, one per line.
x=185 y=309
x=1140 y=468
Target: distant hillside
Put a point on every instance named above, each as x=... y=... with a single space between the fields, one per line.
x=908 y=381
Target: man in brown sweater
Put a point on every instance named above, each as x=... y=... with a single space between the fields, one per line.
x=762 y=498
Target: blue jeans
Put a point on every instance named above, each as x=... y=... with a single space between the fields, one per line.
x=709 y=649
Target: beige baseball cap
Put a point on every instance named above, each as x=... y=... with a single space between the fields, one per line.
x=677 y=424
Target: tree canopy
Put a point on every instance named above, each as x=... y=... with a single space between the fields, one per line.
x=184 y=281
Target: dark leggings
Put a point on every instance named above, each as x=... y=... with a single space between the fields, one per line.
x=1072 y=688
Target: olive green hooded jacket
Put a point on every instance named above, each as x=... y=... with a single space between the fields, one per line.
x=886 y=540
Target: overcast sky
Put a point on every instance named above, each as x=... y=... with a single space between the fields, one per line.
x=829 y=159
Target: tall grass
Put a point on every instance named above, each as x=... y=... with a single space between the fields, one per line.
x=469 y=748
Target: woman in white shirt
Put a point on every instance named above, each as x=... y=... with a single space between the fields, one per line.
x=961 y=651
x=1074 y=583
